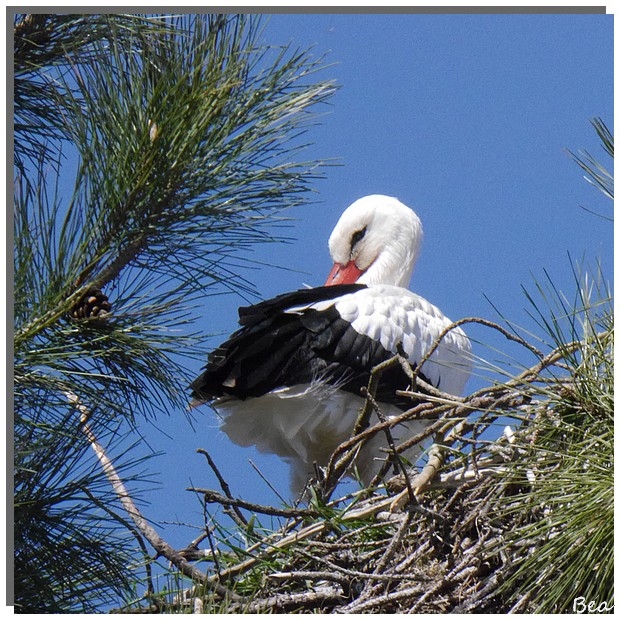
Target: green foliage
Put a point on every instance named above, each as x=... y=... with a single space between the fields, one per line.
x=72 y=552
x=597 y=173
x=149 y=150
x=44 y=47
x=567 y=450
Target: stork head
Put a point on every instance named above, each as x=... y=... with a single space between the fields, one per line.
x=376 y=241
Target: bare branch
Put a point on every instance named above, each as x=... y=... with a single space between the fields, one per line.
x=157 y=542
x=214 y=497
x=235 y=514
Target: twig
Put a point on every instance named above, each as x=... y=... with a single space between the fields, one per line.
x=113 y=269
x=459 y=477
x=436 y=458
x=214 y=497
x=521 y=604
x=314 y=599
x=271 y=547
x=387 y=556
x=338 y=464
x=390 y=441
x=480 y=321
x=379 y=603
x=236 y=515
x=304 y=575
x=264 y=479
x=155 y=540
x=375 y=575
x=367 y=510
x=193 y=553
x=373 y=383
x=150 y=590
x=463 y=570
x=408 y=443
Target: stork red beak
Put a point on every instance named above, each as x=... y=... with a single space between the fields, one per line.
x=343 y=274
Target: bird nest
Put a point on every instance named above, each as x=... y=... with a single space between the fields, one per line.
x=428 y=541
x=460 y=534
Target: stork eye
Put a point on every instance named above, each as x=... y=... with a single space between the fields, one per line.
x=357 y=236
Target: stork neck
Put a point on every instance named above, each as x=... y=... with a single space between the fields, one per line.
x=388 y=268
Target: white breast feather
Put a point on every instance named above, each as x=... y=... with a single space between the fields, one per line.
x=309 y=429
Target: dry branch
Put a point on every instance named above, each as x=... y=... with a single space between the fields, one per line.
x=161 y=547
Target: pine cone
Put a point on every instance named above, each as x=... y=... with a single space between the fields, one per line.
x=93 y=306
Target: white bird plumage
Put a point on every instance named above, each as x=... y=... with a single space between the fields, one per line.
x=344 y=329
x=388 y=237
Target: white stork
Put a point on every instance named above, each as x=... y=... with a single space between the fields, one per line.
x=288 y=381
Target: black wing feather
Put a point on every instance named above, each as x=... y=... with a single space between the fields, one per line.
x=275 y=348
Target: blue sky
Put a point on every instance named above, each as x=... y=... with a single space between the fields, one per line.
x=465 y=118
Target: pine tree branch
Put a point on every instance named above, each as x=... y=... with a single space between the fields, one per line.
x=162 y=547
x=182 y=137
